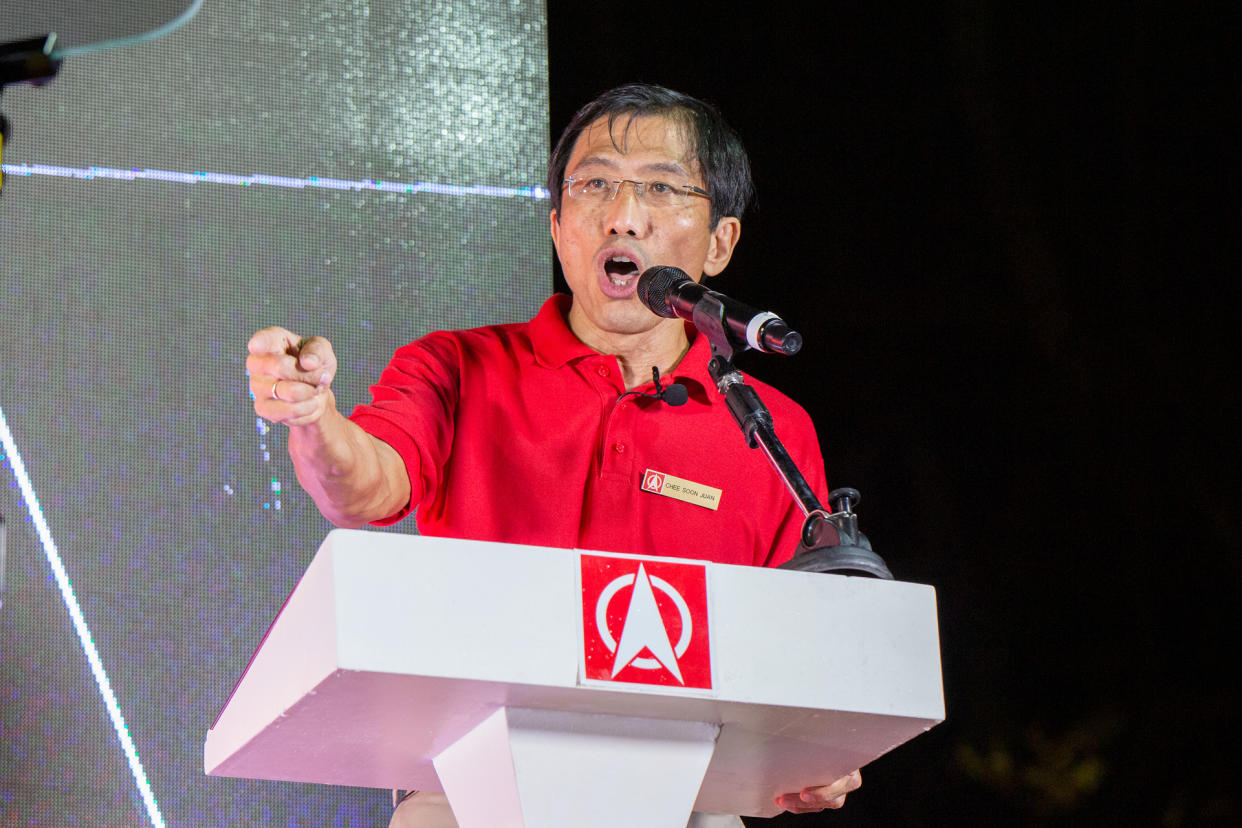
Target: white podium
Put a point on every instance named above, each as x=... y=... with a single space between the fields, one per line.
x=436 y=664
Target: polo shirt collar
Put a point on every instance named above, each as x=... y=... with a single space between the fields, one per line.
x=692 y=370
x=555 y=345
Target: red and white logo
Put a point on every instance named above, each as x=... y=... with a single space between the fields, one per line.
x=653 y=481
x=645 y=622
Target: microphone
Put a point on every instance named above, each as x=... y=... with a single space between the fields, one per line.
x=669 y=292
x=675 y=394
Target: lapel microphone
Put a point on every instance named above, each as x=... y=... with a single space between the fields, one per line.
x=674 y=394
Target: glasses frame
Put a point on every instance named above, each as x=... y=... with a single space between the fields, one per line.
x=640 y=188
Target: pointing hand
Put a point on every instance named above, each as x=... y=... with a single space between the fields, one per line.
x=291 y=376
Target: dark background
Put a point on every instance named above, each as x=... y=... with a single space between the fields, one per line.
x=999 y=233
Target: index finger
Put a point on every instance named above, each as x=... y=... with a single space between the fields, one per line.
x=316 y=352
x=274 y=340
x=829 y=794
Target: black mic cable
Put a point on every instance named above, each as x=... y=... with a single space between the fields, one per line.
x=674 y=394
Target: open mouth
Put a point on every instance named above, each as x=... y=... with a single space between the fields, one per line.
x=620 y=269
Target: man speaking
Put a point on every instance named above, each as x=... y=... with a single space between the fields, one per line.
x=541 y=432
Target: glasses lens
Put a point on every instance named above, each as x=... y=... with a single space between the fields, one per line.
x=590 y=189
x=664 y=194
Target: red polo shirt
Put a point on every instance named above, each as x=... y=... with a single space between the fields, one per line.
x=514 y=433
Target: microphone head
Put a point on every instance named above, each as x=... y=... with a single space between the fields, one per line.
x=675 y=394
x=657 y=285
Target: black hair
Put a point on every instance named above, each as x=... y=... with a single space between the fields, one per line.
x=714 y=144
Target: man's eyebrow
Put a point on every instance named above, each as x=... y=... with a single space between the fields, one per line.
x=667 y=167
x=597 y=161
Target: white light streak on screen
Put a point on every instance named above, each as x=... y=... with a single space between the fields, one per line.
x=181 y=177
x=85 y=639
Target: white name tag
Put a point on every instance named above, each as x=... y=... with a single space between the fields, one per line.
x=681 y=489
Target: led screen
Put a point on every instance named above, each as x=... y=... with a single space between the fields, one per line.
x=369 y=171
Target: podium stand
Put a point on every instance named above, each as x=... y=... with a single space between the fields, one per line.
x=437 y=664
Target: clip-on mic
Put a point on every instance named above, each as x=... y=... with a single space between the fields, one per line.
x=674 y=394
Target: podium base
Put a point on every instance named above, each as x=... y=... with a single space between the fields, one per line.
x=524 y=768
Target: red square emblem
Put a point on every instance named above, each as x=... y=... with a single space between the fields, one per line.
x=653 y=481
x=645 y=621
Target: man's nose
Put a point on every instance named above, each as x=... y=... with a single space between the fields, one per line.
x=626 y=214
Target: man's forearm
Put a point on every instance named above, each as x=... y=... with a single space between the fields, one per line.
x=353 y=477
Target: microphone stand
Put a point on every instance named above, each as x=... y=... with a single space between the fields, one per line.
x=829 y=542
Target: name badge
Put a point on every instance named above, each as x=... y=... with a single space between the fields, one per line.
x=681 y=489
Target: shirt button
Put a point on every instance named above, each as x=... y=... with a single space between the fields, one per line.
x=603 y=371
x=619 y=448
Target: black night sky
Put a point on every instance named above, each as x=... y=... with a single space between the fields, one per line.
x=999 y=231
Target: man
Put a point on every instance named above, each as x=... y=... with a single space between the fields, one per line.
x=542 y=412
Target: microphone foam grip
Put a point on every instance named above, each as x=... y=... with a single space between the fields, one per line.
x=657 y=285
x=675 y=394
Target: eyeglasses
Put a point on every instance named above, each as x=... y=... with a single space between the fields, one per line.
x=655 y=194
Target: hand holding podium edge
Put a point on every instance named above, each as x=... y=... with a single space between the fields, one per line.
x=811 y=800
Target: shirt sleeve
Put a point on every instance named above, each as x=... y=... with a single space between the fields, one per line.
x=412 y=409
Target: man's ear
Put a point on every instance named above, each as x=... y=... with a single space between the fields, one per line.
x=555 y=227
x=724 y=240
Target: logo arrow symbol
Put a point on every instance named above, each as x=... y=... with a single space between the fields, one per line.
x=644 y=627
